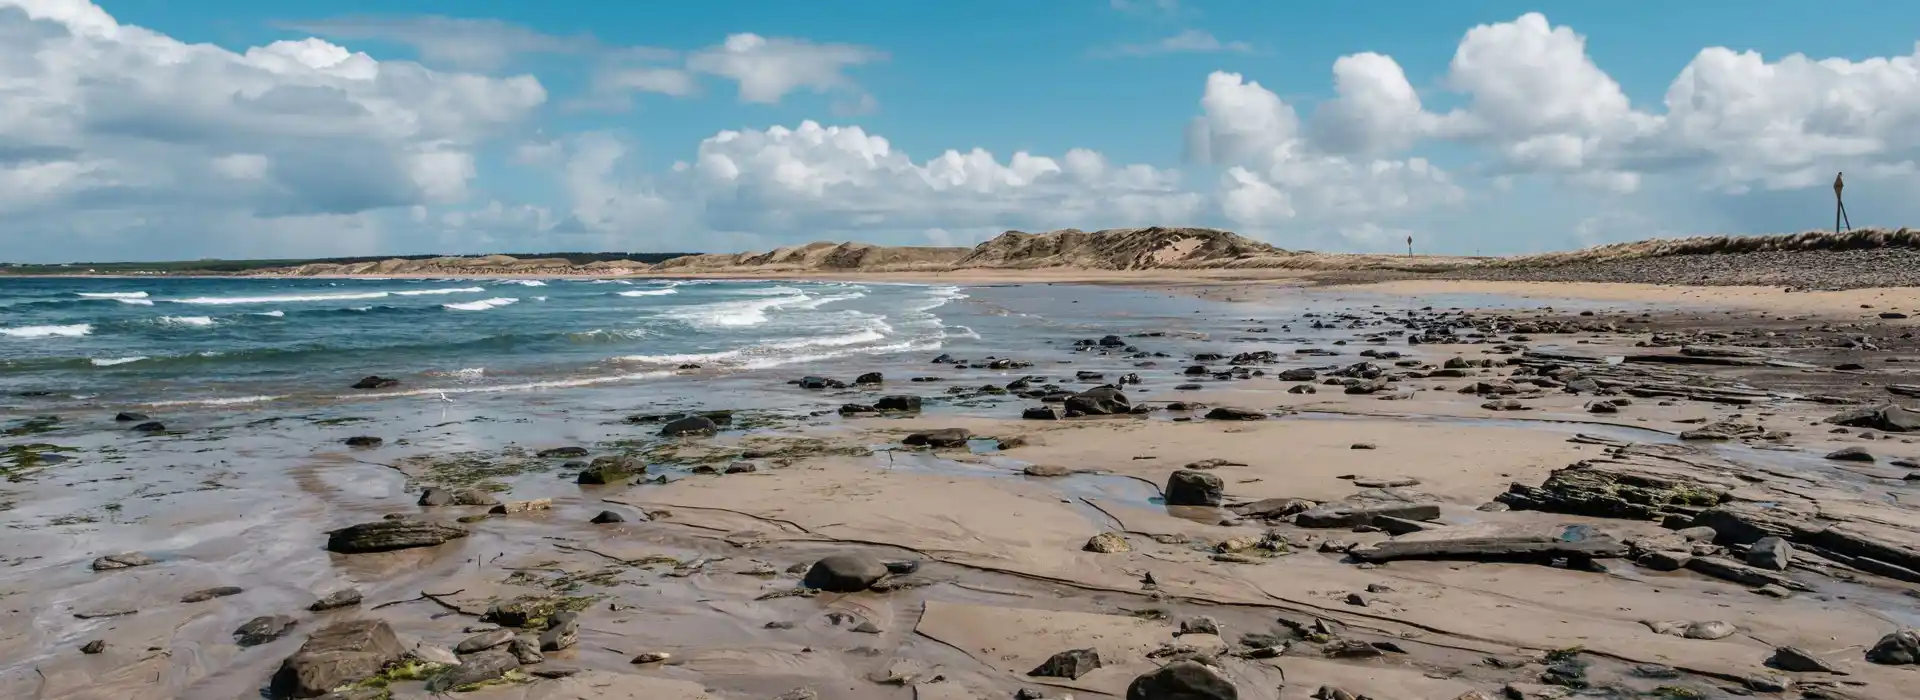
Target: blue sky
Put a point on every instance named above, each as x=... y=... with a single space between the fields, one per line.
x=505 y=136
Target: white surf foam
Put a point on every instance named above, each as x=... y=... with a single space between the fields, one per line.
x=736 y=314
x=113 y=295
x=648 y=292
x=111 y=361
x=481 y=305
x=289 y=298
x=136 y=302
x=188 y=321
x=525 y=283
x=275 y=313
x=73 y=331
x=423 y=292
x=228 y=401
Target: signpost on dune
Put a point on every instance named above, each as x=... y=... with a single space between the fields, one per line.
x=1839 y=206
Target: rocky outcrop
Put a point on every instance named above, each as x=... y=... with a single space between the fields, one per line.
x=335 y=656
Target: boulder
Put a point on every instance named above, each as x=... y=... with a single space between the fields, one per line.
x=438 y=496
x=262 y=630
x=1889 y=418
x=388 y=535
x=1771 y=553
x=943 y=437
x=1851 y=454
x=363 y=441
x=1107 y=543
x=690 y=426
x=129 y=417
x=607 y=517
x=483 y=641
x=1070 y=664
x=1901 y=648
x=1182 y=680
x=1100 y=401
x=342 y=598
x=869 y=378
x=1187 y=487
x=1231 y=413
x=1040 y=413
x=844 y=573
x=337 y=655
x=372 y=381
x=908 y=404
x=1298 y=374
x=611 y=470
x=563 y=630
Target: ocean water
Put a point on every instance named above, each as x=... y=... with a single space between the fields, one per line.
x=234 y=340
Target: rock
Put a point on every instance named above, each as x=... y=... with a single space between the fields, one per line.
x=526 y=651
x=1231 y=413
x=1664 y=560
x=1070 y=664
x=611 y=470
x=941 y=438
x=607 y=517
x=150 y=427
x=1384 y=482
x=343 y=598
x=844 y=573
x=475 y=668
x=94 y=647
x=1108 y=543
x=437 y=496
x=434 y=655
x=1770 y=553
x=335 y=656
x=125 y=560
x=129 y=417
x=1099 y=401
x=563 y=630
x=1901 y=648
x=741 y=468
x=484 y=641
x=1363 y=446
x=1699 y=533
x=869 y=378
x=654 y=657
x=1358 y=513
x=262 y=630
x=358 y=694
x=1187 y=487
x=1709 y=630
x=690 y=426
x=1048 y=470
x=1272 y=508
x=207 y=594
x=1799 y=661
x=902 y=403
x=1495 y=541
x=1851 y=454
x=1182 y=680
x=372 y=381
x=1040 y=413
x=1199 y=624
x=363 y=441
x=527 y=506
x=1505 y=405
x=1302 y=389
x=389 y=535
x=1888 y=418
x=1298 y=374
x=1602 y=407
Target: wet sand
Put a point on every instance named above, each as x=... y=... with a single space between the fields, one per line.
x=708 y=565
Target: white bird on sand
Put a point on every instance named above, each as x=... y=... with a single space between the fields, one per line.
x=443 y=396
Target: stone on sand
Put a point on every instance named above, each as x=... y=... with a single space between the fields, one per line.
x=1187 y=487
x=1770 y=553
x=844 y=573
x=1107 y=543
x=126 y=560
x=941 y=438
x=1900 y=648
x=262 y=630
x=484 y=641
x=335 y=656
x=346 y=597
x=1070 y=664
x=690 y=426
x=1100 y=401
x=1182 y=680
x=389 y=535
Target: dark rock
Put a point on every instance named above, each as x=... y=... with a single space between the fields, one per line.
x=611 y=470
x=388 y=535
x=1272 y=508
x=1302 y=389
x=204 y=595
x=94 y=647
x=262 y=630
x=910 y=404
x=1771 y=553
x=1359 y=513
x=1614 y=491
x=1182 y=680
x=1901 y=648
x=1799 y=661
x=563 y=630
x=363 y=441
x=869 y=378
x=1047 y=470
x=1889 y=418
x=475 y=668
x=1602 y=407
x=1199 y=624
x=150 y=427
x=1040 y=413
x=844 y=573
x=335 y=656
x=1664 y=560
x=1100 y=401
x=129 y=417
x=125 y=560
x=437 y=496
x=690 y=426
x=1851 y=454
x=376 y=382
x=1298 y=374
x=1495 y=541
x=526 y=651
x=741 y=468
x=1070 y=664
x=941 y=438
x=607 y=517
x=1193 y=488
x=1230 y=413
x=483 y=641
x=346 y=597
x=562 y=453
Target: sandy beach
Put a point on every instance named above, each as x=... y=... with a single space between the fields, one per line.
x=1409 y=490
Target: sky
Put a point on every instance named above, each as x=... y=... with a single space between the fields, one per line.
x=165 y=130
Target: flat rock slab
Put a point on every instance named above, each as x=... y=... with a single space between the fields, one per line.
x=389 y=535
x=1494 y=541
x=1353 y=514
